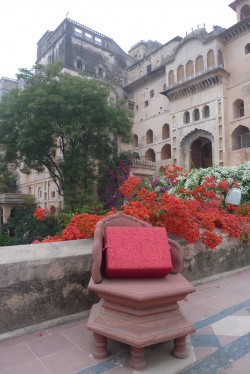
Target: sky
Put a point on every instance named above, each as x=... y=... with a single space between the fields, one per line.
x=23 y=23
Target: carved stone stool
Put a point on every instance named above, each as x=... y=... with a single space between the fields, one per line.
x=137 y=311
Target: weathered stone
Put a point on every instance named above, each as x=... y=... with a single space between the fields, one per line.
x=47 y=281
x=43 y=282
x=200 y=262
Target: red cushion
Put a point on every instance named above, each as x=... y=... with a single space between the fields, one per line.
x=136 y=252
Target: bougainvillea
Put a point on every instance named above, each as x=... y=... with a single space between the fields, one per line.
x=112 y=178
x=194 y=212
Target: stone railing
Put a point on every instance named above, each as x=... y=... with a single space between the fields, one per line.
x=142 y=162
x=9 y=198
x=48 y=282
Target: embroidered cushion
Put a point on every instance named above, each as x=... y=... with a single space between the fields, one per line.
x=136 y=252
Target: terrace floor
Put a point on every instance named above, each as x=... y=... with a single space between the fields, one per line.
x=219 y=310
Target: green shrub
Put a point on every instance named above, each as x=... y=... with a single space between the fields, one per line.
x=23 y=228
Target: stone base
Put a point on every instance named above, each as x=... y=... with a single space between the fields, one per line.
x=149 y=317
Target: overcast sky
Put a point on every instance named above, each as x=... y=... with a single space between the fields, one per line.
x=23 y=22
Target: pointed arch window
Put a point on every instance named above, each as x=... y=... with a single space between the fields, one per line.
x=150 y=155
x=206 y=111
x=171 y=77
x=180 y=73
x=166 y=152
x=165 y=131
x=238 y=108
x=247 y=48
x=186 y=117
x=135 y=140
x=189 y=68
x=196 y=114
x=241 y=138
x=210 y=58
x=149 y=137
x=199 y=64
x=220 y=59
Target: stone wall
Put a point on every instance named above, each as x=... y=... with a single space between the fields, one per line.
x=43 y=282
x=200 y=262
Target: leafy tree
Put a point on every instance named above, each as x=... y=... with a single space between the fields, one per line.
x=8 y=177
x=64 y=113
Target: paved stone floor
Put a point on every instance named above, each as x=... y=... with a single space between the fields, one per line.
x=219 y=310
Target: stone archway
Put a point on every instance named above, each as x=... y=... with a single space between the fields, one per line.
x=196 y=150
x=201 y=153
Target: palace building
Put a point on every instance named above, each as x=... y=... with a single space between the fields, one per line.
x=190 y=96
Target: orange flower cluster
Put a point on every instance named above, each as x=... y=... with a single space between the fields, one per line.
x=172 y=172
x=195 y=216
x=199 y=214
x=40 y=214
x=130 y=187
x=81 y=226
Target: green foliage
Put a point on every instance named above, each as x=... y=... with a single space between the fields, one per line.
x=23 y=228
x=67 y=114
x=96 y=208
x=8 y=177
x=4 y=239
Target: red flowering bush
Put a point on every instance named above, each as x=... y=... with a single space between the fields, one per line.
x=40 y=214
x=173 y=172
x=81 y=226
x=193 y=214
x=196 y=213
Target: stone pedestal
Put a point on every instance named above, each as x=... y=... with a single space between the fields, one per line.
x=140 y=312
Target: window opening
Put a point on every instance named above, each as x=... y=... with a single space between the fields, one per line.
x=186 y=117
x=241 y=138
x=149 y=137
x=196 y=115
x=149 y=68
x=247 y=48
x=206 y=111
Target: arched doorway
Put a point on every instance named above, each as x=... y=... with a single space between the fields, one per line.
x=197 y=150
x=150 y=155
x=201 y=153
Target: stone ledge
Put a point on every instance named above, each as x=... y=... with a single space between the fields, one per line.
x=43 y=282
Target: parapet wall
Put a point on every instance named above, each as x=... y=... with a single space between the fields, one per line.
x=43 y=282
x=200 y=263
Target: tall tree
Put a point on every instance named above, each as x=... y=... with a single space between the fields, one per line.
x=8 y=176
x=71 y=114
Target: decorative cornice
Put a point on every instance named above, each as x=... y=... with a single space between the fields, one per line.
x=160 y=71
x=236 y=31
x=191 y=85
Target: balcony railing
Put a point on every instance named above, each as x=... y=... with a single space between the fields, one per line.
x=13 y=198
x=142 y=162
